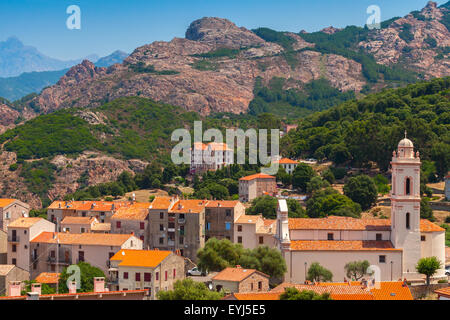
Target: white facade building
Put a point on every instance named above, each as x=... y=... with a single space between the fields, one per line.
x=210 y=157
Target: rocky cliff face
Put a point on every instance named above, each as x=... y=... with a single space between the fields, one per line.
x=7 y=117
x=420 y=50
x=175 y=72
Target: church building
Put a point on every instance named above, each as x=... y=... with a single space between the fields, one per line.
x=392 y=246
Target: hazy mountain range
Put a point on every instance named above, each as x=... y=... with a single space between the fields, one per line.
x=24 y=70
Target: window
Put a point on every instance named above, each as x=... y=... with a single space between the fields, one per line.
x=157 y=276
x=83 y=230
x=125 y=275
x=147 y=277
x=161 y=215
x=142 y=225
x=227 y=226
x=251 y=286
x=138 y=276
x=379 y=237
x=118 y=225
x=382 y=259
x=14 y=261
x=80 y=255
x=331 y=236
x=52 y=253
x=161 y=227
x=259 y=285
x=24 y=231
x=261 y=240
x=14 y=248
x=239 y=228
x=165 y=276
x=228 y=212
x=161 y=240
x=408 y=225
x=208 y=226
x=408 y=186
x=142 y=238
x=174 y=273
x=423 y=238
x=181 y=240
x=239 y=239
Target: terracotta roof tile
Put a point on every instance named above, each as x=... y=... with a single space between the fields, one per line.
x=24 y=222
x=443 y=291
x=162 y=203
x=256 y=176
x=5 y=269
x=140 y=258
x=330 y=245
x=94 y=239
x=248 y=219
x=189 y=206
x=137 y=211
x=339 y=223
x=286 y=161
x=101 y=227
x=6 y=202
x=392 y=291
x=235 y=274
x=223 y=204
x=77 y=220
x=428 y=226
x=48 y=277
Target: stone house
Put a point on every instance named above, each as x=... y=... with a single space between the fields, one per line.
x=240 y=280
x=10 y=210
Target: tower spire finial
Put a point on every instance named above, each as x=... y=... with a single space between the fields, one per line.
x=406 y=134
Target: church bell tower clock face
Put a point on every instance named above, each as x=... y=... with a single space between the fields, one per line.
x=405 y=203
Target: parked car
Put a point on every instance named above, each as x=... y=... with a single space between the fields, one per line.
x=196 y=272
x=447 y=270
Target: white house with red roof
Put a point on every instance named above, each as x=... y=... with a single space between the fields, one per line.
x=288 y=165
x=393 y=246
x=210 y=157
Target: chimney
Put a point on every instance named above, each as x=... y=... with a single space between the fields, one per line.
x=36 y=288
x=99 y=284
x=32 y=296
x=14 y=288
x=73 y=287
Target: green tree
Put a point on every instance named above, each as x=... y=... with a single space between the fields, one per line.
x=265 y=205
x=426 y=212
x=317 y=273
x=362 y=190
x=356 y=269
x=303 y=174
x=328 y=175
x=295 y=209
x=45 y=288
x=428 y=267
x=316 y=183
x=295 y=294
x=265 y=259
x=328 y=202
x=87 y=274
x=382 y=184
x=217 y=255
x=189 y=289
x=284 y=177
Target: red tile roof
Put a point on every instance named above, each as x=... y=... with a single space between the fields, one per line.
x=140 y=258
x=223 y=204
x=94 y=239
x=257 y=176
x=339 y=223
x=236 y=274
x=428 y=226
x=48 y=277
x=443 y=292
x=6 y=202
x=286 y=161
x=330 y=245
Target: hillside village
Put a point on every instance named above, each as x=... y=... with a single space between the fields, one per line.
x=147 y=249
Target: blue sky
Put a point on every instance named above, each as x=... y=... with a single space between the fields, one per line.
x=108 y=25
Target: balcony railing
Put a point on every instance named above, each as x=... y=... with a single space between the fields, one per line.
x=13 y=238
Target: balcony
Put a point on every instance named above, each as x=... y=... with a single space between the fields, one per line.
x=181 y=220
x=63 y=261
x=171 y=243
x=13 y=239
x=114 y=281
x=182 y=232
x=170 y=229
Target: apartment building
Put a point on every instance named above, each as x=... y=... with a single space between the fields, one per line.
x=10 y=210
x=240 y=280
x=84 y=224
x=255 y=186
x=178 y=225
x=210 y=157
x=134 y=219
x=3 y=247
x=254 y=231
x=20 y=234
x=101 y=210
x=220 y=217
x=153 y=270
x=52 y=251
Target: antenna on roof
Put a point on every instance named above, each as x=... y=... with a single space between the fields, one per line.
x=406 y=134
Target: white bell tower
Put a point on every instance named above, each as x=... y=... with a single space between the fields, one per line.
x=405 y=205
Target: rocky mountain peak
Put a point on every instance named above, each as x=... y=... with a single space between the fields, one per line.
x=221 y=32
x=330 y=30
x=431 y=11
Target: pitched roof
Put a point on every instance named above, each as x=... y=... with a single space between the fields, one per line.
x=392 y=290
x=189 y=206
x=286 y=161
x=5 y=269
x=93 y=239
x=331 y=245
x=24 y=222
x=443 y=291
x=339 y=223
x=223 y=204
x=248 y=219
x=428 y=226
x=236 y=274
x=137 y=211
x=255 y=296
x=337 y=292
x=162 y=203
x=6 y=202
x=256 y=176
x=48 y=277
x=140 y=258
x=89 y=205
x=101 y=227
x=77 y=220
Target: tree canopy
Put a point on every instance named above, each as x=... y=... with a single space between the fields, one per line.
x=317 y=273
x=428 y=266
x=362 y=190
x=189 y=289
x=295 y=294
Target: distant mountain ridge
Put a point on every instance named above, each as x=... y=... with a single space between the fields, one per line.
x=14 y=88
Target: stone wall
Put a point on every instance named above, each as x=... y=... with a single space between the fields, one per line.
x=423 y=290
